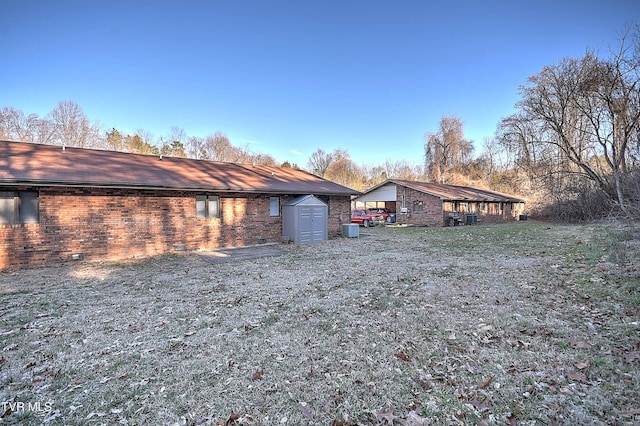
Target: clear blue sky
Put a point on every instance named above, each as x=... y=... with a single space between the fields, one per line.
x=286 y=77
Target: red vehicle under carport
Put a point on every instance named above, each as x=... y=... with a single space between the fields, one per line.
x=366 y=218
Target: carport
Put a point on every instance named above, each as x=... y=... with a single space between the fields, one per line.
x=432 y=204
x=381 y=197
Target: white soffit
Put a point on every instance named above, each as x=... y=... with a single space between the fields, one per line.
x=384 y=193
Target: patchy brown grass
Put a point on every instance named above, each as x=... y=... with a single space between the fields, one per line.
x=526 y=323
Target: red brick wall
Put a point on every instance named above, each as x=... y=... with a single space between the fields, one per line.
x=424 y=209
x=428 y=210
x=116 y=224
x=339 y=213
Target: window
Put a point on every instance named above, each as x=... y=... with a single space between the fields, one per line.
x=207 y=206
x=19 y=207
x=274 y=206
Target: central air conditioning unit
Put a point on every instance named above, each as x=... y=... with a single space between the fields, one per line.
x=350 y=230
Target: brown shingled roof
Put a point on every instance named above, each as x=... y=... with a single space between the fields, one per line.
x=36 y=164
x=453 y=192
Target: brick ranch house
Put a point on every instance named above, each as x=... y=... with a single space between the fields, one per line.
x=58 y=204
x=433 y=204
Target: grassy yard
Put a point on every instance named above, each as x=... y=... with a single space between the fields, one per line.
x=521 y=323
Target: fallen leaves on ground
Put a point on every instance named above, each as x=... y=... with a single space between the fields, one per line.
x=524 y=330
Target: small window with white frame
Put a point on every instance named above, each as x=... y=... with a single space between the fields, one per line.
x=274 y=206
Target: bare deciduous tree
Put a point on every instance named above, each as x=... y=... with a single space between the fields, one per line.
x=15 y=125
x=343 y=170
x=579 y=120
x=218 y=147
x=71 y=127
x=319 y=162
x=447 y=149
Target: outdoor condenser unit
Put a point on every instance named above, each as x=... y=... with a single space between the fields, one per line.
x=350 y=230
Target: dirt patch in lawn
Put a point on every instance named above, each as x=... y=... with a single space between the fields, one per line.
x=525 y=323
x=237 y=254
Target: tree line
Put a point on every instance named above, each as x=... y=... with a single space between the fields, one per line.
x=68 y=125
x=572 y=148
x=576 y=134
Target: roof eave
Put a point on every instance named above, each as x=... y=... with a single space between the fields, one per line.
x=118 y=185
x=445 y=198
